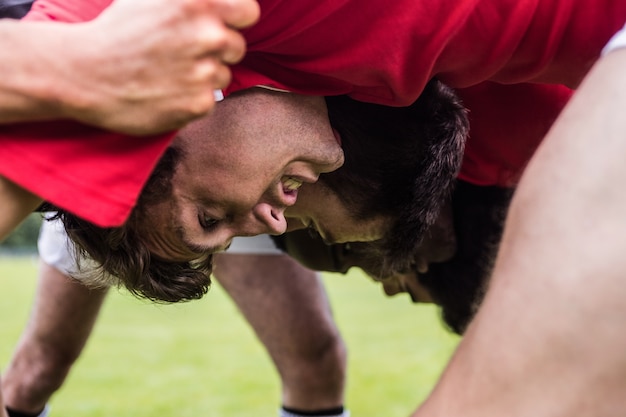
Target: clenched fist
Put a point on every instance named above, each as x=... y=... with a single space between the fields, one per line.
x=152 y=65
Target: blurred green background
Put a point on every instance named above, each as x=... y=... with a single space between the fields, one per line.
x=201 y=358
x=24 y=239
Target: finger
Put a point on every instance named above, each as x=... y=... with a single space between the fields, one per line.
x=213 y=38
x=234 y=49
x=237 y=13
x=210 y=71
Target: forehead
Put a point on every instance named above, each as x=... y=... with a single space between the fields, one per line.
x=249 y=123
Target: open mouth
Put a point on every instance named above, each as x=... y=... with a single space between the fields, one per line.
x=289 y=187
x=291 y=184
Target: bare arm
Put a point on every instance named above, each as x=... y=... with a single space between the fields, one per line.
x=15 y=204
x=140 y=67
x=61 y=320
x=551 y=335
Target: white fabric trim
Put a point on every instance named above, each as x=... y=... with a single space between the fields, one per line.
x=617 y=41
x=45 y=412
x=255 y=245
x=267 y=87
x=55 y=248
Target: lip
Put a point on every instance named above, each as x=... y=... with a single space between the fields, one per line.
x=285 y=197
x=288 y=197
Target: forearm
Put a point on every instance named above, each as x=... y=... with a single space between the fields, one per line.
x=15 y=204
x=550 y=338
x=60 y=323
x=136 y=66
x=31 y=86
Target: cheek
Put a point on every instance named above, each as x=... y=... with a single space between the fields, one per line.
x=307 y=203
x=364 y=231
x=438 y=248
x=154 y=226
x=155 y=216
x=339 y=223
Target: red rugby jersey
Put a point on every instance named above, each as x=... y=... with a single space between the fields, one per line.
x=374 y=50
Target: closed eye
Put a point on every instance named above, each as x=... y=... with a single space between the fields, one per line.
x=207 y=222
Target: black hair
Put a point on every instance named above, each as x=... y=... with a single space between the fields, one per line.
x=400 y=163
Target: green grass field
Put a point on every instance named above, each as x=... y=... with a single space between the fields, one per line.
x=201 y=359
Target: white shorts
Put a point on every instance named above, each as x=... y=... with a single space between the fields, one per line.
x=257 y=245
x=56 y=250
x=617 y=41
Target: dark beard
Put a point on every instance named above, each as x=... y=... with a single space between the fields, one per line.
x=459 y=284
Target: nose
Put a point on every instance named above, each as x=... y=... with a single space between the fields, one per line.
x=326 y=159
x=266 y=218
x=332 y=163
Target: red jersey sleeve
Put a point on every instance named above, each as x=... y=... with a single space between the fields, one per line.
x=67 y=10
x=507 y=124
x=93 y=173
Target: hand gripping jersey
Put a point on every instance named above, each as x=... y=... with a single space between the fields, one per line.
x=375 y=50
x=94 y=173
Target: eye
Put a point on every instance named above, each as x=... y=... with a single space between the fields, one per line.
x=207 y=222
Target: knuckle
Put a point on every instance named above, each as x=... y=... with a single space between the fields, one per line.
x=212 y=35
x=222 y=42
x=189 y=6
x=204 y=70
x=202 y=104
x=241 y=13
x=222 y=77
x=234 y=13
x=235 y=49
